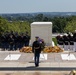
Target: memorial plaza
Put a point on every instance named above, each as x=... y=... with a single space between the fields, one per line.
x=17 y=63
x=53 y=63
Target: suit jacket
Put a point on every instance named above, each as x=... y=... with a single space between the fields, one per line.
x=36 y=47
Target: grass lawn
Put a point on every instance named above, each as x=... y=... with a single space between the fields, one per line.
x=55 y=41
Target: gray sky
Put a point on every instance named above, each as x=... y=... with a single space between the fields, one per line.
x=27 y=6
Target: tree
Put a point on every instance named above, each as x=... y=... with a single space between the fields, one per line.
x=45 y=19
x=39 y=17
x=3 y=25
x=15 y=26
x=71 y=26
x=59 y=24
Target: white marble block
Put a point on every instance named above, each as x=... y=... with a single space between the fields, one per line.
x=43 y=30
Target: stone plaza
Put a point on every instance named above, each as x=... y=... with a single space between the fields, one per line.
x=23 y=63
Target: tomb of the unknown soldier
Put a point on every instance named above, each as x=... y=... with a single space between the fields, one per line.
x=42 y=30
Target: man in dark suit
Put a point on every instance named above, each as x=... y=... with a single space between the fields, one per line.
x=74 y=37
x=36 y=49
x=71 y=41
x=27 y=39
x=11 y=42
x=60 y=41
x=66 y=41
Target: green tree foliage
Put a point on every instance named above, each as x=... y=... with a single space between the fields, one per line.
x=15 y=26
x=71 y=26
x=45 y=19
x=59 y=24
x=20 y=27
x=22 y=24
x=39 y=17
x=3 y=25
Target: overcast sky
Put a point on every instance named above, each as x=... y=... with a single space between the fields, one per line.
x=28 y=6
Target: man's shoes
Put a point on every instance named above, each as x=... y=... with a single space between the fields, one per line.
x=37 y=65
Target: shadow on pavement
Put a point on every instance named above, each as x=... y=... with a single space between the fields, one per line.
x=33 y=68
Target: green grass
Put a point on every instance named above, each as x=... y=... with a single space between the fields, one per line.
x=55 y=41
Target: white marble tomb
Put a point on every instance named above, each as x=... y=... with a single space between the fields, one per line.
x=43 y=30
